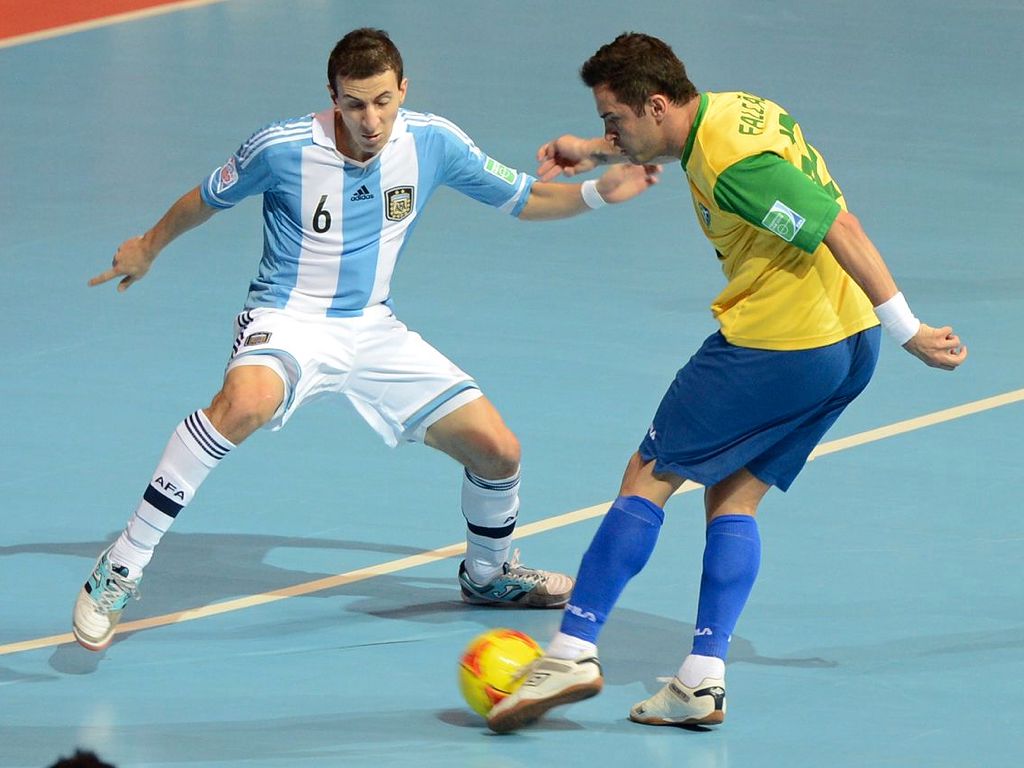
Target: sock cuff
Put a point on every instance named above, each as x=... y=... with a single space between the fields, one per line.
x=734 y=525
x=640 y=508
x=502 y=485
x=202 y=439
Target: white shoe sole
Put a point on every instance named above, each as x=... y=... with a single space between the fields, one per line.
x=89 y=644
x=530 y=711
x=715 y=718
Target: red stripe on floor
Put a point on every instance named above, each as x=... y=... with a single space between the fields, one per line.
x=22 y=17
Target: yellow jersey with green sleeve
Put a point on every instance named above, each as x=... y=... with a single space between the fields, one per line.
x=765 y=200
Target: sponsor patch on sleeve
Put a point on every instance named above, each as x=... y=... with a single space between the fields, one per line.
x=783 y=221
x=705 y=214
x=228 y=175
x=503 y=172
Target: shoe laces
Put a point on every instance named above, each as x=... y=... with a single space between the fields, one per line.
x=525 y=671
x=523 y=573
x=115 y=587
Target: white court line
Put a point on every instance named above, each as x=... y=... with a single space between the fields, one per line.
x=105 y=21
x=530 y=529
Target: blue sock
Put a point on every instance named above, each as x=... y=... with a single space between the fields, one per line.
x=732 y=556
x=618 y=551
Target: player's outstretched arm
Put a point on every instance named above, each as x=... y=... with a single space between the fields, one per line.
x=570 y=155
x=135 y=255
x=936 y=347
x=557 y=200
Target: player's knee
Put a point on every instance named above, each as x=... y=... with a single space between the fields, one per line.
x=239 y=409
x=739 y=494
x=496 y=454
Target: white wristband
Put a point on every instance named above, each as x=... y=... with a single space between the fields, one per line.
x=897 y=319
x=590 y=194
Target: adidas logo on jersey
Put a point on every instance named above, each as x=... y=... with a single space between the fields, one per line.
x=362 y=194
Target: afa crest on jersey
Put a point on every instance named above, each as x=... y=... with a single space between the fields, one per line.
x=398 y=202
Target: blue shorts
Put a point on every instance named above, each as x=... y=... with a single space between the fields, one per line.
x=732 y=407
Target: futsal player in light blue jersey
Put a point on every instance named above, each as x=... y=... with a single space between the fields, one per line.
x=342 y=190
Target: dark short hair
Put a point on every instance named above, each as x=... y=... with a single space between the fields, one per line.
x=634 y=67
x=363 y=53
x=81 y=759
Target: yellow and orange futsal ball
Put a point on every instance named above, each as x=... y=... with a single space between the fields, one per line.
x=488 y=666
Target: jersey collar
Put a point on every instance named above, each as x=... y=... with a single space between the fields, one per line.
x=701 y=109
x=323 y=133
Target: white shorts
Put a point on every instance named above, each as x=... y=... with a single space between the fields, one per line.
x=397 y=382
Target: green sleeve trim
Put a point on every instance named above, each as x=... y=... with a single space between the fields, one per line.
x=771 y=193
x=701 y=109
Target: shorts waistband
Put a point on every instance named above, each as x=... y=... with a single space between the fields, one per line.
x=372 y=312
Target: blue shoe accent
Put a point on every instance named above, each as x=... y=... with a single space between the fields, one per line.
x=517 y=586
x=100 y=602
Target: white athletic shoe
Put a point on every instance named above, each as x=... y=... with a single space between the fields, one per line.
x=547 y=682
x=100 y=602
x=518 y=586
x=678 y=704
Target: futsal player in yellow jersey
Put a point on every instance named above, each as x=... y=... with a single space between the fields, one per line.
x=799 y=322
x=765 y=201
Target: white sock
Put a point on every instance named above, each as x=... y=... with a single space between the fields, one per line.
x=194 y=449
x=696 y=669
x=491 y=508
x=569 y=647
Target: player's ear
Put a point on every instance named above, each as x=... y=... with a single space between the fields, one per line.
x=658 y=106
x=402 y=88
x=334 y=95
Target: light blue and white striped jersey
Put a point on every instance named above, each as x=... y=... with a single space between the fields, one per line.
x=333 y=227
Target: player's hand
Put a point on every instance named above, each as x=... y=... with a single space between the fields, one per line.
x=937 y=347
x=568 y=155
x=622 y=182
x=131 y=262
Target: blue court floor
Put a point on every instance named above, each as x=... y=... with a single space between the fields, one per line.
x=887 y=627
